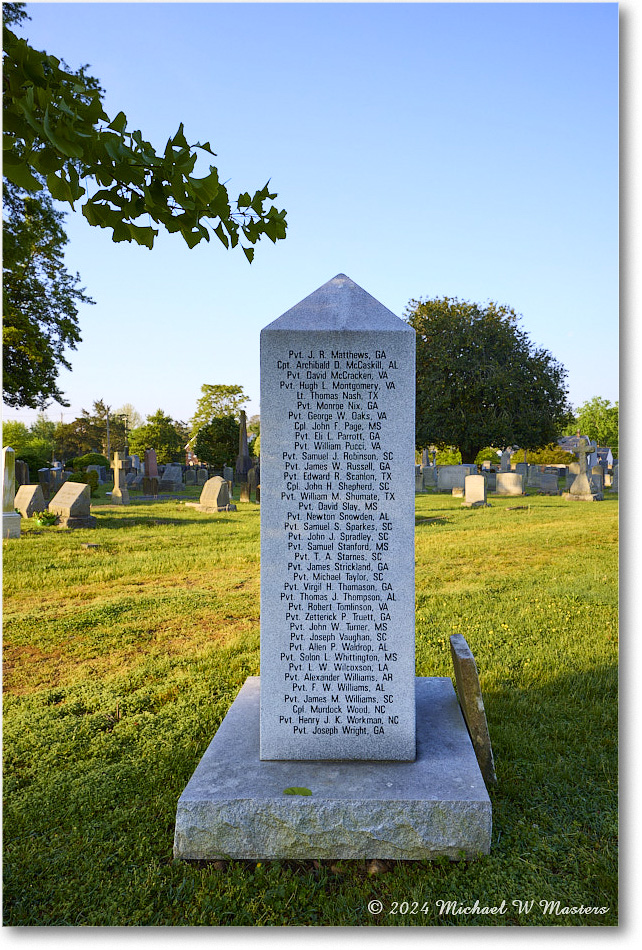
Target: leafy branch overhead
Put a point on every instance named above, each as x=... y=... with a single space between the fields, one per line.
x=55 y=128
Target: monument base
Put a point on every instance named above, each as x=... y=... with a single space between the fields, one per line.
x=584 y=496
x=235 y=805
x=10 y=524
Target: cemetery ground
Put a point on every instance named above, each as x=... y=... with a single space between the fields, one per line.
x=122 y=658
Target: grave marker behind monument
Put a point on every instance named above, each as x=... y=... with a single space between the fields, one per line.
x=337 y=529
x=10 y=517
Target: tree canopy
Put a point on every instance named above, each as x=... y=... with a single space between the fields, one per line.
x=40 y=300
x=599 y=420
x=480 y=381
x=216 y=401
x=217 y=443
x=162 y=433
x=56 y=130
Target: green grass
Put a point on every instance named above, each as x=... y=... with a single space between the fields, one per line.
x=122 y=660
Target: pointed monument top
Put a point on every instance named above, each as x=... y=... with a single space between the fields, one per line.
x=340 y=304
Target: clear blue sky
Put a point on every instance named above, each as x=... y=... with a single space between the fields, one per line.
x=424 y=149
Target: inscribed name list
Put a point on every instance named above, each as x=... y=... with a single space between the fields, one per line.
x=337 y=536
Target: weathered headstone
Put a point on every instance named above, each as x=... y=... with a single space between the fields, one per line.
x=228 y=473
x=475 y=491
x=615 y=478
x=491 y=481
x=202 y=476
x=509 y=483
x=172 y=478
x=97 y=469
x=252 y=480
x=190 y=476
x=215 y=495
x=597 y=478
x=337 y=522
x=338 y=695
x=10 y=517
x=150 y=479
x=243 y=463
x=582 y=489
x=547 y=483
x=504 y=465
x=45 y=479
x=22 y=473
x=72 y=505
x=453 y=476
x=472 y=705
x=429 y=476
x=119 y=493
x=29 y=500
x=522 y=468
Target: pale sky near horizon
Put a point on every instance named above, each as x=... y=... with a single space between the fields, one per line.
x=424 y=149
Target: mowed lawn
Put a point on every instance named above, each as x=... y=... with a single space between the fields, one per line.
x=121 y=660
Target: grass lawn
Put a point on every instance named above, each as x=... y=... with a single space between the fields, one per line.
x=121 y=660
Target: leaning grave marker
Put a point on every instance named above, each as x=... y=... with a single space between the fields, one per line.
x=337 y=621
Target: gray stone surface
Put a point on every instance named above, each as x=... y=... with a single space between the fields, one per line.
x=29 y=500
x=472 y=705
x=234 y=805
x=10 y=517
x=172 y=478
x=243 y=462
x=337 y=529
x=547 y=484
x=475 y=491
x=453 y=476
x=582 y=488
x=429 y=474
x=509 y=483
x=72 y=505
x=215 y=495
x=150 y=464
x=119 y=493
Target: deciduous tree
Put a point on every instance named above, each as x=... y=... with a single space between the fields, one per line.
x=217 y=443
x=55 y=127
x=599 y=420
x=162 y=433
x=480 y=381
x=216 y=401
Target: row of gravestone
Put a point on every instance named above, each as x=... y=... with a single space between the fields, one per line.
x=445 y=478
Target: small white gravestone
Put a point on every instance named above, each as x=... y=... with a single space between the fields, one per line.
x=475 y=491
x=10 y=517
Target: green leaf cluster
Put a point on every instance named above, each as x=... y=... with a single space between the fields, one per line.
x=216 y=401
x=57 y=131
x=480 y=381
x=598 y=419
x=40 y=300
x=217 y=443
x=162 y=433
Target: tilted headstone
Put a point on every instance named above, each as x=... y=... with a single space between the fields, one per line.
x=29 y=500
x=337 y=530
x=509 y=483
x=475 y=491
x=472 y=705
x=215 y=495
x=72 y=505
x=10 y=517
x=119 y=493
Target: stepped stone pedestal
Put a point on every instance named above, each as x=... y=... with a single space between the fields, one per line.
x=235 y=804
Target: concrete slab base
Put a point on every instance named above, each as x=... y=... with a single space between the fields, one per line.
x=234 y=805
